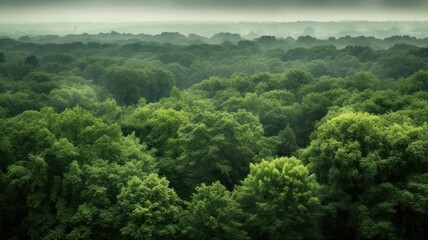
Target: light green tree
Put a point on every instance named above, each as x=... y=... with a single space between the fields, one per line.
x=212 y=213
x=280 y=200
x=148 y=209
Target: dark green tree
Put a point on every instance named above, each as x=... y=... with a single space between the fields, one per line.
x=2 y=58
x=32 y=61
x=288 y=144
x=62 y=174
x=216 y=146
x=415 y=83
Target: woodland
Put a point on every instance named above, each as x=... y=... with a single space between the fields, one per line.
x=171 y=136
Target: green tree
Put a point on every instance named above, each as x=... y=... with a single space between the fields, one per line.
x=272 y=107
x=370 y=167
x=362 y=81
x=32 y=61
x=212 y=213
x=397 y=65
x=72 y=95
x=62 y=174
x=137 y=80
x=216 y=146
x=124 y=84
x=288 y=143
x=164 y=125
x=313 y=107
x=17 y=102
x=280 y=200
x=148 y=209
x=2 y=58
x=415 y=83
x=294 y=79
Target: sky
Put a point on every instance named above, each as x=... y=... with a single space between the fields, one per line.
x=52 y=11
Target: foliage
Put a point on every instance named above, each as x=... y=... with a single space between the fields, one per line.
x=367 y=166
x=148 y=209
x=123 y=136
x=63 y=172
x=212 y=213
x=280 y=200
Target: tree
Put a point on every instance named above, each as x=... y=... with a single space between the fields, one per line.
x=32 y=61
x=415 y=83
x=18 y=102
x=272 y=107
x=164 y=125
x=2 y=58
x=137 y=79
x=72 y=95
x=279 y=198
x=148 y=209
x=215 y=146
x=362 y=81
x=294 y=79
x=288 y=143
x=313 y=107
x=124 y=84
x=369 y=168
x=62 y=174
x=398 y=65
x=212 y=213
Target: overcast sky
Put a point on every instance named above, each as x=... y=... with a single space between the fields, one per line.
x=36 y=11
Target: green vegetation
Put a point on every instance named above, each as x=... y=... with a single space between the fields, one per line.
x=124 y=136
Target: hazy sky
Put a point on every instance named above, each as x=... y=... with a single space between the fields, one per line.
x=35 y=11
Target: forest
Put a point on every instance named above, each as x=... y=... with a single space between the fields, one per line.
x=172 y=136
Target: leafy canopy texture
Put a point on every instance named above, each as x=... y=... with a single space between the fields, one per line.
x=148 y=208
x=212 y=213
x=71 y=176
x=102 y=134
x=217 y=146
x=280 y=200
x=195 y=144
x=373 y=171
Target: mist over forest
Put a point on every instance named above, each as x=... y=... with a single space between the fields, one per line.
x=247 y=30
x=195 y=119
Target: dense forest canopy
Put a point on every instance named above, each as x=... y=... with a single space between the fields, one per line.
x=173 y=136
